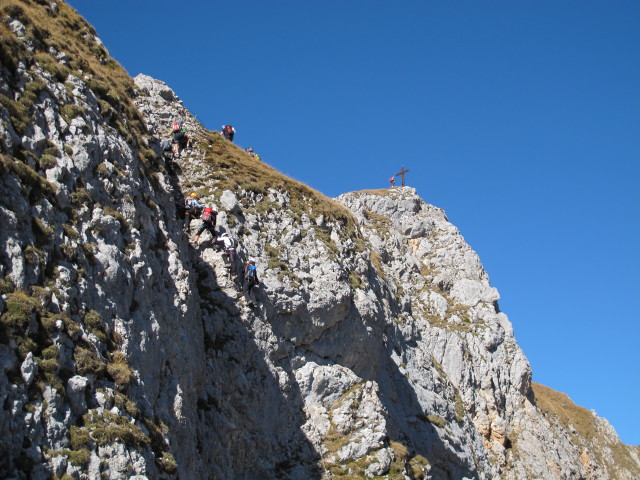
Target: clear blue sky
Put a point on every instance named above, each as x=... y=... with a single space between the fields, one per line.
x=520 y=119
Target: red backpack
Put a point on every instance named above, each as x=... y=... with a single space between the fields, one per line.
x=176 y=126
x=209 y=215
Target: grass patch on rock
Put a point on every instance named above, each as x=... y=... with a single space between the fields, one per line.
x=20 y=309
x=79 y=458
x=95 y=325
x=106 y=428
x=88 y=362
x=33 y=185
x=119 y=370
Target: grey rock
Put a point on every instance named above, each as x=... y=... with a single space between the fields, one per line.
x=76 y=387
x=28 y=369
x=58 y=464
x=18 y=28
x=229 y=201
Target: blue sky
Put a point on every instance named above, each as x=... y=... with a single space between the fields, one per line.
x=520 y=119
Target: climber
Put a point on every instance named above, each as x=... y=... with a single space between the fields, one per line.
x=180 y=139
x=209 y=216
x=228 y=132
x=229 y=245
x=251 y=152
x=392 y=181
x=192 y=209
x=250 y=281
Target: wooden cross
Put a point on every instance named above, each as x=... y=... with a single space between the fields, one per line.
x=401 y=174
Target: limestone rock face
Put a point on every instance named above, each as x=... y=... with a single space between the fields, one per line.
x=376 y=348
x=92 y=273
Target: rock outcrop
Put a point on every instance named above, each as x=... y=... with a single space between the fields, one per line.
x=377 y=348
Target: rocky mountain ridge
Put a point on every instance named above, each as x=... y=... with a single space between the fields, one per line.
x=377 y=350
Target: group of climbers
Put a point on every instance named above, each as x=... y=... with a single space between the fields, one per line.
x=180 y=140
x=193 y=209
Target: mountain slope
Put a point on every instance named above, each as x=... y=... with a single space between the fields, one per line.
x=377 y=348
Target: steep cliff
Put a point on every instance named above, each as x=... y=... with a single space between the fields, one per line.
x=377 y=347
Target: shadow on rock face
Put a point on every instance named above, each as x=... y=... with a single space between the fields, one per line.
x=250 y=411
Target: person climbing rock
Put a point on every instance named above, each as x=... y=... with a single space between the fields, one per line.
x=180 y=140
x=229 y=245
x=250 y=281
x=228 y=132
x=192 y=209
x=209 y=216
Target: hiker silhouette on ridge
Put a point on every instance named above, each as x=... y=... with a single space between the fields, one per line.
x=228 y=132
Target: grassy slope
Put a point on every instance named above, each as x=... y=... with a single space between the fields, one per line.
x=230 y=167
x=67 y=32
x=582 y=426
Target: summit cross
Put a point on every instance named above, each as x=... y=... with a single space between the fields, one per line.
x=401 y=174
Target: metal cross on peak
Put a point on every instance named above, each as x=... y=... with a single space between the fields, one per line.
x=401 y=174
